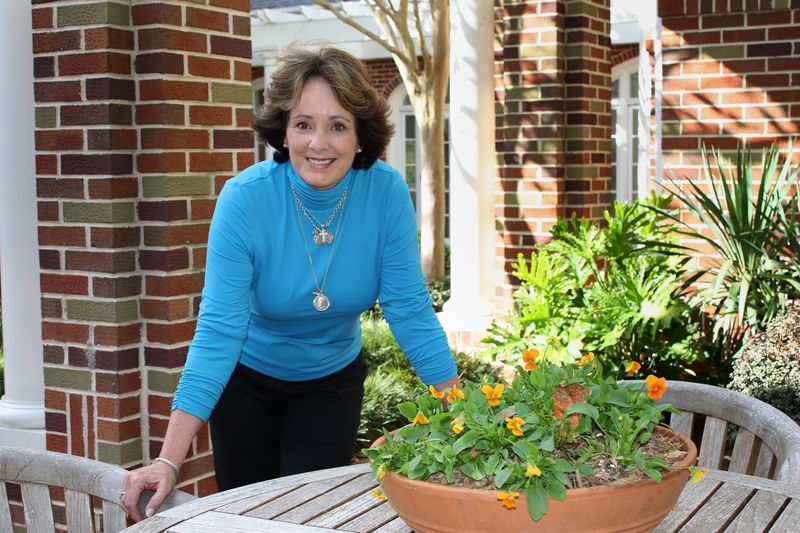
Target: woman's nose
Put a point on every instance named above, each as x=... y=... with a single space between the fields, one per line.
x=319 y=139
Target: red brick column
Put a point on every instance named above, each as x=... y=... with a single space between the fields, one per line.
x=553 y=125
x=143 y=111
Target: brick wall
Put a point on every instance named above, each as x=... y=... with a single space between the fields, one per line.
x=384 y=75
x=731 y=71
x=552 y=82
x=142 y=112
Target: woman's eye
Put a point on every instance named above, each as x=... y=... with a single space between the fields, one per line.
x=301 y=126
x=338 y=126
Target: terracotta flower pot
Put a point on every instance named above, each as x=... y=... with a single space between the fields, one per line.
x=430 y=507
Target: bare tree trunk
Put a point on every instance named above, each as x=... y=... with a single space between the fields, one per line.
x=425 y=74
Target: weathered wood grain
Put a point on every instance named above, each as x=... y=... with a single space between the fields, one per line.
x=325 y=502
x=395 y=526
x=759 y=512
x=5 y=511
x=348 y=511
x=719 y=509
x=789 y=519
x=743 y=457
x=79 y=512
x=692 y=497
x=371 y=520
x=682 y=423
x=712 y=446
x=38 y=507
x=297 y=497
x=214 y=522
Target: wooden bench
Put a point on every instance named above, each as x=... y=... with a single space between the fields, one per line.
x=81 y=478
x=766 y=443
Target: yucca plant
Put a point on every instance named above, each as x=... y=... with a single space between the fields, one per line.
x=754 y=232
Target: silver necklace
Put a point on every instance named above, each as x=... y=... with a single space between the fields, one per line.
x=320 y=231
x=320 y=302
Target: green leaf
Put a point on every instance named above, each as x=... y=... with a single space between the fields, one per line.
x=557 y=490
x=584 y=409
x=467 y=440
x=473 y=470
x=408 y=410
x=548 y=444
x=502 y=476
x=586 y=470
x=654 y=474
x=537 y=501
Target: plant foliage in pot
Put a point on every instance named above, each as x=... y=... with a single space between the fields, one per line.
x=563 y=448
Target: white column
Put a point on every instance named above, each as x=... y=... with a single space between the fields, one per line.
x=472 y=167
x=22 y=405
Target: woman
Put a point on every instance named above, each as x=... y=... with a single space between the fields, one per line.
x=298 y=248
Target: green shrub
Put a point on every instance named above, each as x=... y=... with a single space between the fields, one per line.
x=392 y=380
x=617 y=290
x=768 y=367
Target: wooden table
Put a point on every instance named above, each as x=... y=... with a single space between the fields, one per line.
x=340 y=499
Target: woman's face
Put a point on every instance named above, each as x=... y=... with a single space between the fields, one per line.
x=321 y=136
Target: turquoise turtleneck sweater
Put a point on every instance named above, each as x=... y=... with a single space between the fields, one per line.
x=257 y=307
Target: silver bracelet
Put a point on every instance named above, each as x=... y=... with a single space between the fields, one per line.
x=169 y=463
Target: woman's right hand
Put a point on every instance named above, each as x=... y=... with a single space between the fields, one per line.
x=157 y=477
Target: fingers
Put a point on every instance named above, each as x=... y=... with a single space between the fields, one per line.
x=155 y=477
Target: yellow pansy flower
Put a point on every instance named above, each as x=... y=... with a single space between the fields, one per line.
x=533 y=471
x=420 y=419
x=435 y=393
x=458 y=425
x=454 y=394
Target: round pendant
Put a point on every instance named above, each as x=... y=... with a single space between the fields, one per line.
x=321 y=302
x=322 y=236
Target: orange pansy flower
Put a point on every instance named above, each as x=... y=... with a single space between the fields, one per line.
x=493 y=394
x=378 y=493
x=656 y=387
x=586 y=359
x=435 y=393
x=514 y=424
x=632 y=367
x=529 y=357
x=458 y=425
x=454 y=393
x=509 y=499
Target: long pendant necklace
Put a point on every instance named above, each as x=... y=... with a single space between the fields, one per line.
x=320 y=231
x=320 y=302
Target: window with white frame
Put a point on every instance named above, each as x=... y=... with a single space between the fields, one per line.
x=624 y=132
x=404 y=152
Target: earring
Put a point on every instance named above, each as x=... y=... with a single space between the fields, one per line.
x=358 y=151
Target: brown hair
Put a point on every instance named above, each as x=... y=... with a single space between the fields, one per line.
x=349 y=80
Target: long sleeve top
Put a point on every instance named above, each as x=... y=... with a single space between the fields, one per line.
x=256 y=306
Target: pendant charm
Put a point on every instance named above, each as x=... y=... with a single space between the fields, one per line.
x=321 y=302
x=322 y=236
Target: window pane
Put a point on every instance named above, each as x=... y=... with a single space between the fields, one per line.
x=614 y=112
x=615 y=88
x=634 y=154
x=634 y=89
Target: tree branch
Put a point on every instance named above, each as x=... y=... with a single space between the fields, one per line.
x=426 y=55
x=353 y=24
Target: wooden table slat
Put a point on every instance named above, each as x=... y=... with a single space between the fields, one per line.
x=691 y=496
x=256 y=500
x=214 y=522
x=325 y=502
x=789 y=519
x=297 y=497
x=720 y=508
x=371 y=520
x=759 y=512
x=348 y=511
x=395 y=526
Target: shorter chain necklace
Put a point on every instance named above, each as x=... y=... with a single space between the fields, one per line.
x=320 y=302
x=320 y=231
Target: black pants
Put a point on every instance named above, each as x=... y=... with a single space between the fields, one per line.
x=263 y=428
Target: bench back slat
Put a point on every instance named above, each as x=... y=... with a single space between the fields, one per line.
x=712 y=445
x=38 y=507
x=6 y=523
x=79 y=511
x=743 y=457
